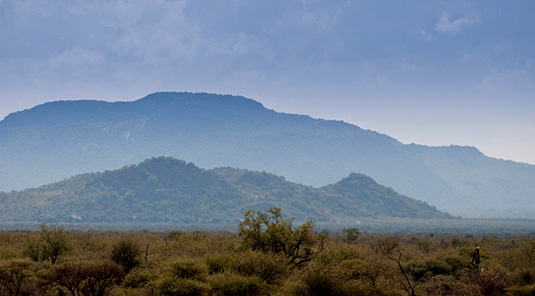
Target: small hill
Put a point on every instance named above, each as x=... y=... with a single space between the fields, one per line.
x=167 y=190
x=377 y=200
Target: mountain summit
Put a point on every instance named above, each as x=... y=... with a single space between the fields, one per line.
x=56 y=140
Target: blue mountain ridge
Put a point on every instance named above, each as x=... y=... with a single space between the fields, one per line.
x=57 y=140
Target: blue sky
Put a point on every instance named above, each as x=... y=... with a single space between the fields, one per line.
x=425 y=72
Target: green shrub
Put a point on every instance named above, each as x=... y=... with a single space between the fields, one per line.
x=524 y=277
x=235 y=285
x=172 y=286
x=439 y=265
x=218 y=263
x=189 y=268
x=139 y=277
x=446 y=285
x=15 y=276
x=266 y=266
x=100 y=277
x=493 y=278
x=126 y=253
x=49 y=245
x=86 y=278
x=33 y=249
x=522 y=291
x=336 y=254
x=270 y=232
x=350 y=235
x=358 y=288
x=387 y=246
x=319 y=282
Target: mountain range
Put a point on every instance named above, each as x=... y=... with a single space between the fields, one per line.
x=57 y=140
x=167 y=190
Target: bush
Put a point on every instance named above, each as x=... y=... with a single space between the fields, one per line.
x=126 y=253
x=522 y=291
x=188 y=268
x=100 y=277
x=218 y=263
x=446 y=285
x=350 y=235
x=184 y=287
x=269 y=232
x=440 y=265
x=139 y=277
x=184 y=276
x=319 y=282
x=14 y=276
x=33 y=249
x=268 y=267
x=51 y=243
x=387 y=246
x=493 y=279
x=235 y=285
x=86 y=278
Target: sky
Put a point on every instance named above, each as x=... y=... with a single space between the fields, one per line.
x=427 y=72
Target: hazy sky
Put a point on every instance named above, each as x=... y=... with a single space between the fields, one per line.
x=428 y=72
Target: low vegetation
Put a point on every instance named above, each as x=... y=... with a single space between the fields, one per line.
x=268 y=256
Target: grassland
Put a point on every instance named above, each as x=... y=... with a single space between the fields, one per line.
x=55 y=261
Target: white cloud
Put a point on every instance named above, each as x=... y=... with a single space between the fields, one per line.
x=244 y=44
x=509 y=80
x=312 y=16
x=76 y=58
x=425 y=35
x=76 y=217
x=446 y=25
x=154 y=32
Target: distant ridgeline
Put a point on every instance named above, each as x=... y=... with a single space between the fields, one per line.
x=167 y=190
x=57 y=140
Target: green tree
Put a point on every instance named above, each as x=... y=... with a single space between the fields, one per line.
x=350 y=235
x=126 y=253
x=13 y=275
x=95 y=278
x=50 y=244
x=54 y=241
x=270 y=232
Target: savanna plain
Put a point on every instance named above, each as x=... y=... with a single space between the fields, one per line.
x=268 y=255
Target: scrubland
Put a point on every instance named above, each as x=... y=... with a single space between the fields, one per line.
x=286 y=261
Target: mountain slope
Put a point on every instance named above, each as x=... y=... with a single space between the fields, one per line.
x=60 y=139
x=167 y=190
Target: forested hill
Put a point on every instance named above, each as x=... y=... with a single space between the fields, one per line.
x=167 y=190
x=57 y=140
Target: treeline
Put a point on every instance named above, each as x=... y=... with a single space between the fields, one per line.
x=454 y=227
x=269 y=256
